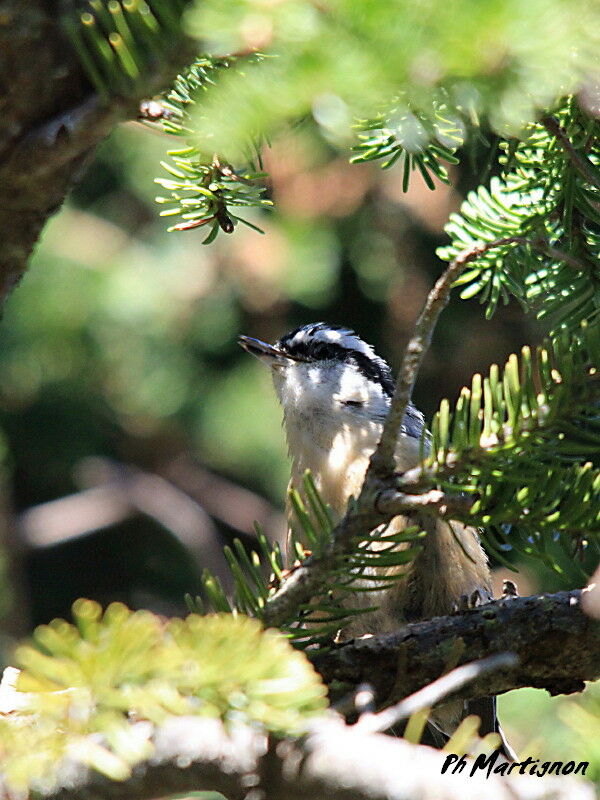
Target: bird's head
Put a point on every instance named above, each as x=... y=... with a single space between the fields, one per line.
x=325 y=373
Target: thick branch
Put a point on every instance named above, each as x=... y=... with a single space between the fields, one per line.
x=334 y=761
x=556 y=643
x=51 y=121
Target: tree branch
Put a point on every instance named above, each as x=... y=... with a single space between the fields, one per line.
x=557 y=646
x=309 y=578
x=382 y=460
x=334 y=761
x=51 y=122
x=391 y=502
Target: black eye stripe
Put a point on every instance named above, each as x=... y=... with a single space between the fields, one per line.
x=302 y=342
x=373 y=368
x=316 y=348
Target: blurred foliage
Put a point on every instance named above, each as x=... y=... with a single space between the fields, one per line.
x=329 y=61
x=413 y=140
x=266 y=67
x=133 y=330
x=554 y=728
x=80 y=685
x=120 y=42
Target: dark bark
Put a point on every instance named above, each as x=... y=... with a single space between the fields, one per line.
x=557 y=644
x=50 y=121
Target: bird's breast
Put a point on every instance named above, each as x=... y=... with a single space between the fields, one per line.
x=338 y=454
x=337 y=460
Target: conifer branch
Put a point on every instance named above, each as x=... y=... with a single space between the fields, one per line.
x=382 y=460
x=581 y=163
x=310 y=577
x=557 y=254
x=556 y=644
x=548 y=195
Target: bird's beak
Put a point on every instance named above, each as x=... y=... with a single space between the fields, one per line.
x=267 y=353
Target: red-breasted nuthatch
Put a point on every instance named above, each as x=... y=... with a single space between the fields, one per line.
x=335 y=393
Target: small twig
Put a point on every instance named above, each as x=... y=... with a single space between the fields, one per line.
x=392 y=502
x=434 y=692
x=581 y=164
x=559 y=255
x=382 y=460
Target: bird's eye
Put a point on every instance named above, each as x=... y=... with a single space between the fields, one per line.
x=353 y=403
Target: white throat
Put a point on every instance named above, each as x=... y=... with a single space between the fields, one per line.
x=333 y=419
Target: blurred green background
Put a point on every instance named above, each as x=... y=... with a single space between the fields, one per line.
x=138 y=438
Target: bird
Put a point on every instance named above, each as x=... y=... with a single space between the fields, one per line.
x=335 y=392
